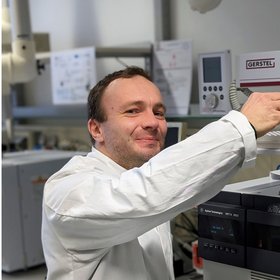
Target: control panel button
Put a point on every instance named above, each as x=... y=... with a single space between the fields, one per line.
x=233 y=251
x=212 y=101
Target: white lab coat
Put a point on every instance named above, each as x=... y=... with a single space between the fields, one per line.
x=103 y=222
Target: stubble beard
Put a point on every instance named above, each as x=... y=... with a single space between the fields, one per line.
x=129 y=158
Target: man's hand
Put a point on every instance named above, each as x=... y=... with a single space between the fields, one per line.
x=263 y=111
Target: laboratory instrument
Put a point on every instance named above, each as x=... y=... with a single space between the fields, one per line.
x=240 y=228
x=23 y=177
x=214 y=77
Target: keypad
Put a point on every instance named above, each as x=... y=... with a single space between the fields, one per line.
x=217 y=247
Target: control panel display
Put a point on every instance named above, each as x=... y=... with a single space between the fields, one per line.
x=214 y=77
x=212 y=70
x=221 y=233
x=221 y=229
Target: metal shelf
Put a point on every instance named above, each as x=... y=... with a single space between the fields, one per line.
x=51 y=112
x=125 y=51
x=80 y=112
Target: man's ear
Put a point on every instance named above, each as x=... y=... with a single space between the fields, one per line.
x=95 y=130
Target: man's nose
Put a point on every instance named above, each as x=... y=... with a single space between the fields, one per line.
x=150 y=120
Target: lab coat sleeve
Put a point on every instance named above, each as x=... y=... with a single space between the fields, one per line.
x=88 y=210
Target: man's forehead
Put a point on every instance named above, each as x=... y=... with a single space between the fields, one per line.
x=132 y=87
x=143 y=103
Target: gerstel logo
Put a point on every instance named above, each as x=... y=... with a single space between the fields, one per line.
x=260 y=63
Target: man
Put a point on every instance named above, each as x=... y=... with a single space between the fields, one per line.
x=105 y=215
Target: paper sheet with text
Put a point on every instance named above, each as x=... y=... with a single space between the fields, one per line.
x=172 y=73
x=73 y=74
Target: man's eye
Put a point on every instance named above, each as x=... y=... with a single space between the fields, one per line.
x=160 y=114
x=132 y=111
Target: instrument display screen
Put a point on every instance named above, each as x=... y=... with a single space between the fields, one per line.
x=221 y=229
x=212 y=70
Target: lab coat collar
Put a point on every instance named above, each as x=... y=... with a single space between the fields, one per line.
x=108 y=161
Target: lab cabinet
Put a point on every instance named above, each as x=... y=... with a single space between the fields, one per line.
x=23 y=177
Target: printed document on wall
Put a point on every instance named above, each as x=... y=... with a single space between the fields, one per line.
x=172 y=73
x=73 y=75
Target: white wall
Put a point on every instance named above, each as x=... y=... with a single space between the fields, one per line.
x=82 y=23
x=79 y=23
x=239 y=25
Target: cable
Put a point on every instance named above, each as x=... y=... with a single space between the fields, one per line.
x=121 y=62
x=233 y=96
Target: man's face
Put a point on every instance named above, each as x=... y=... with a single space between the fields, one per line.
x=135 y=128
